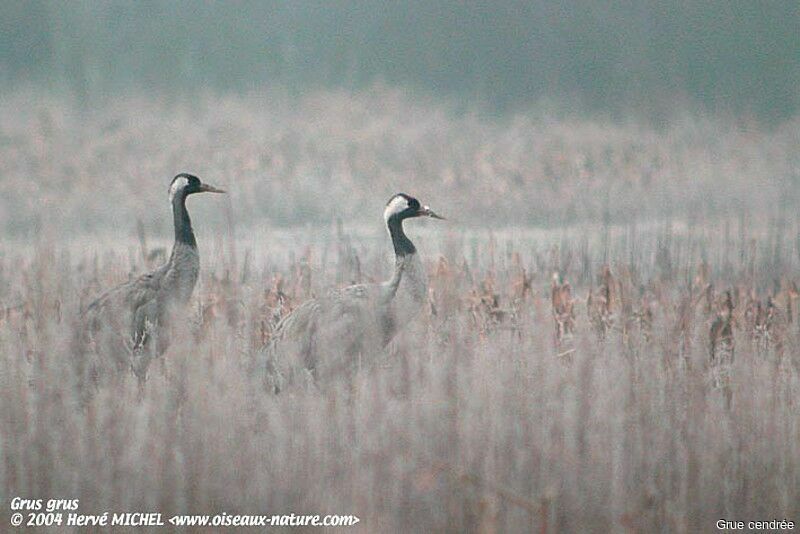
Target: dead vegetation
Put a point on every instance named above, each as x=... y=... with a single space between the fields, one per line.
x=639 y=392
x=604 y=397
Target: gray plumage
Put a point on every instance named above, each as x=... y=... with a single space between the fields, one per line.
x=325 y=336
x=133 y=316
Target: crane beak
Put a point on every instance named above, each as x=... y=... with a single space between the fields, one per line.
x=205 y=188
x=428 y=212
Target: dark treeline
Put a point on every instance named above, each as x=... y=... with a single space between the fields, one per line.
x=613 y=55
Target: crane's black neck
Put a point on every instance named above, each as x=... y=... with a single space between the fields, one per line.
x=183 y=224
x=402 y=244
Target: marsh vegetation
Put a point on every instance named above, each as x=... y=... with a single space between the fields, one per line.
x=610 y=342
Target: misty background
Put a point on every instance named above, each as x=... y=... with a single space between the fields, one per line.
x=499 y=113
x=615 y=57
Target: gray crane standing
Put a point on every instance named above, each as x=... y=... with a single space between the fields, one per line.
x=323 y=336
x=137 y=312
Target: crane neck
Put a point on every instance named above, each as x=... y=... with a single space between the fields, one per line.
x=410 y=278
x=401 y=243
x=183 y=224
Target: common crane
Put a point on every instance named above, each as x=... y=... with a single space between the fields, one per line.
x=137 y=312
x=323 y=336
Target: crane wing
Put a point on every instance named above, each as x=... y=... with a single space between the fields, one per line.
x=127 y=301
x=336 y=326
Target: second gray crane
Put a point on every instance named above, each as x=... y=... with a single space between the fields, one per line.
x=323 y=336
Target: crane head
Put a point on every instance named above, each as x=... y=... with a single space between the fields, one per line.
x=186 y=184
x=402 y=206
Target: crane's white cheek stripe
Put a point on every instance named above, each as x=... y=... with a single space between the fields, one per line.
x=177 y=185
x=396 y=205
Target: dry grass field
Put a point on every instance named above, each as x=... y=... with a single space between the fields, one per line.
x=611 y=340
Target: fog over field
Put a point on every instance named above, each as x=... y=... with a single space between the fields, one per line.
x=611 y=335
x=334 y=155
